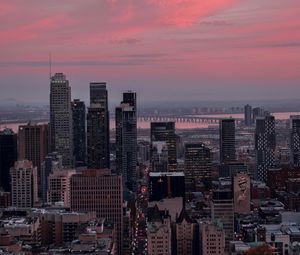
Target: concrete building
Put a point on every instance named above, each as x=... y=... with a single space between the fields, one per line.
x=98 y=151
x=8 y=157
x=53 y=161
x=222 y=209
x=212 y=238
x=58 y=227
x=187 y=235
x=33 y=145
x=61 y=129
x=101 y=192
x=24 y=190
x=159 y=232
x=126 y=140
x=59 y=187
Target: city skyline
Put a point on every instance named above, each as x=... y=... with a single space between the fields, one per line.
x=246 y=48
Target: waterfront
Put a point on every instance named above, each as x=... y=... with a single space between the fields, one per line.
x=179 y=125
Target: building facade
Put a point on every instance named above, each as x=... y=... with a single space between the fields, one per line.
x=227 y=140
x=98 y=152
x=126 y=140
x=99 y=191
x=8 y=156
x=79 y=132
x=24 y=190
x=61 y=129
x=163 y=147
x=295 y=141
x=265 y=146
x=197 y=163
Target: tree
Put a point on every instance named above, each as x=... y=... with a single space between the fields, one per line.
x=260 y=250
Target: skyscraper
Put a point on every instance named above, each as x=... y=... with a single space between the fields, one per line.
x=79 y=134
x=98 y=156
x=8 y=156
x=265 y=145
x=34 y=145
x=61 y=130
x=126 y=140
x=248 y=115
x=295 y=140
x=24 y=191
x=197 y=162
x=227 y=140
x=163 y=147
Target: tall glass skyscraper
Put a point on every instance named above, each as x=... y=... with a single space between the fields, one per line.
x=98 y=153
x=126 y=140
x=227 y=140
x=79 y=132
x=8 y=156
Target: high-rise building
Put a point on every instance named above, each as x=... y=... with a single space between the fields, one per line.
x=61 y=129
x=100 y=192
x=126 y=140
x=33 y=144
x=295 y=140
x=222 y=210
x=197 y=165
x=265 y=145
x=248 y=115
x=212 y=238
x=98 y=153
x=166 y=185
x=59 y=186
x=163 y=147
x=24 y=191
x=256 y=113
x=227 y=140
x=53 y=161
x=79 y=133
x=8 y=156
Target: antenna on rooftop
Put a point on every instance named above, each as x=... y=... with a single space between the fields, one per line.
x=50 y=65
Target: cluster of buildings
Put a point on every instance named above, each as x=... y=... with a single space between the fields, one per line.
x=69 y=187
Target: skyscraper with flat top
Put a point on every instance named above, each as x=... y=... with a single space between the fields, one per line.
x=61 y=129
x=295 y=140
x=8 y=156
x=79 y=127
x=126 y=140
x=227 y=140
x=197 y=161
x=265 y=146
x=248 y=115
x=98 y=155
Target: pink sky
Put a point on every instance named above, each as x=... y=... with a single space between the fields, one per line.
x=200 y=49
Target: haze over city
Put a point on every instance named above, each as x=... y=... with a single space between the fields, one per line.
x=163 y=49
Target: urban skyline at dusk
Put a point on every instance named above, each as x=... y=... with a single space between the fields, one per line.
x=203 y=50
